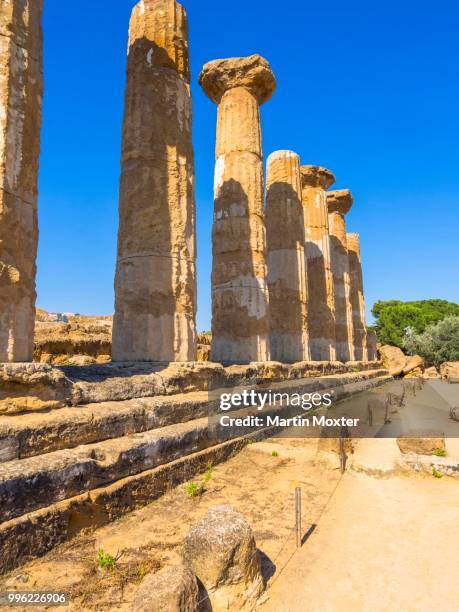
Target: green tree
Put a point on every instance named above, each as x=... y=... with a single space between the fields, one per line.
x=437 y=344
x=394 y=318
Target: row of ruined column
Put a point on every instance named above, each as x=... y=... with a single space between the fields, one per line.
x=286 y=277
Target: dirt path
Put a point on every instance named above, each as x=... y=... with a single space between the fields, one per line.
x=381 y=544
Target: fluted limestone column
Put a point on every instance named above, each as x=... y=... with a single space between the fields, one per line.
x=321 y=304
x=339 y=204
x=287 y=275
x=155 y=284
x=240 y=312
x=21 y=90
x=357 y=298
x=372 y=346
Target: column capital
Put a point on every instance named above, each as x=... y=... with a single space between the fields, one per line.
x=340 y=201
x=252 y=73
x=316 y=176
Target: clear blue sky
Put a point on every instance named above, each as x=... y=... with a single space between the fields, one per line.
x=369 y=90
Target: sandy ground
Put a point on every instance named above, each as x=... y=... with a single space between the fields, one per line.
x=382 y=544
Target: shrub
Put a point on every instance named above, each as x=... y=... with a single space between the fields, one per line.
x=393 y=318
x=437 y=344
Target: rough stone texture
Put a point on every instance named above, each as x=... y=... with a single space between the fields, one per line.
x=372 y=346
x=357 y=297
x=321 y=303
x=392 y=358
x=422 y=442
x=339 y=204
x=413 y=363
x=155 y=283
x=32 y=434
x=21 y=90
x=287 y=271
x=221 y=551
x=81 y=341
x=172 y=589
x=32 y=386
x=240 y=310
x=450 y=369
x=397 y=362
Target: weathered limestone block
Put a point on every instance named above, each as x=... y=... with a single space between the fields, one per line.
x=339 y=204
x=155 y=284
x=287 y=274
x=321 y=303
x=357 y=297
x=32 y=386
x=21 y=91
x=422 y=442
x=240 y=299
x=172 y=589
x=221 y=551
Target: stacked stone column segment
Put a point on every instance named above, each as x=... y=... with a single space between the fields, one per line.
x=321 y=305
x=240 y=299
x=357 y=297
x=339 y=204
x=21 y=91
x=155 y=284
x=287 y=274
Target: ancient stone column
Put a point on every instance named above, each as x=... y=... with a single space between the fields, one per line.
x=357 y=298
x=240 y=313
x=287 y=275
x=21 y=90
x=339 y=204
x=155 y=284
x=321 y=303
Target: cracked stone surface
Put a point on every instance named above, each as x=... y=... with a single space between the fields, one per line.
x=287 y=270
x=321 y=303
x=21 y=91
x=357 y=297
x=339 y=204
x=240 y=300
x=155 y=284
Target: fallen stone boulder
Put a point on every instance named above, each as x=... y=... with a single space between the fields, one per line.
x=422 y=442
x=413 y=363
x=221 y=551
x=393 y=359
x=172 y=589
x=449 y=369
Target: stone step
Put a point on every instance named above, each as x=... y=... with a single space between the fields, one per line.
x=36 y=533
x=28 y=435
x=34 y=387
x=29 y=484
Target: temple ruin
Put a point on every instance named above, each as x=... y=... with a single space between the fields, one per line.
x=287 y=265
x=83 y=445
x=21 y=90
x=240 y=300
x=155 y=287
